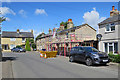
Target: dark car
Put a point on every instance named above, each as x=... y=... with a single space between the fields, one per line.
x=89 y=55
x=18 y=49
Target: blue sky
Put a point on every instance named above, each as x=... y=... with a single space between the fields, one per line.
x=41 y=16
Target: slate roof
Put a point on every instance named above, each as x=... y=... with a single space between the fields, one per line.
x=76 y=27
x=110 y=19
x=7 y=34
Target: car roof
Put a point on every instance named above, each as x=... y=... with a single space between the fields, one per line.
x=82 y=46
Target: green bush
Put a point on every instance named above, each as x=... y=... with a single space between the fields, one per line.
x=114 y=58
x=27 y=46
x=33 y=45
x=18 y=46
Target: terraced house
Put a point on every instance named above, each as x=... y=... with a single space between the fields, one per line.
x=12 y=39
x=64 y=38
x=110 y=31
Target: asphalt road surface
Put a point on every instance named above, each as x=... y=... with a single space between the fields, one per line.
x=30 y=65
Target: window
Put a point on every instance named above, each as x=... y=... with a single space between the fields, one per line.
x=12 y=46
x=111 y=47
x=106 y=47
x=12 y=39
x=23 y=39
x=110 y=27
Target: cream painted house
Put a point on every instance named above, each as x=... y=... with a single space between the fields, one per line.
x=10 y=40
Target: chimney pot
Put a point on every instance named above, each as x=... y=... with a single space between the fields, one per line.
x=18 y=30
x=69 y=20
x=113 y=8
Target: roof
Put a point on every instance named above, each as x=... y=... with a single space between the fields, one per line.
x=7 y=34
x=45 y=35
x=110 y=19
x=76 y=27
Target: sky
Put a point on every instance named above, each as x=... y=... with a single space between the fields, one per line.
x=40 y=16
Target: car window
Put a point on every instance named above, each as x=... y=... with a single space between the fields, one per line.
x=90 y=49
x=80 y=49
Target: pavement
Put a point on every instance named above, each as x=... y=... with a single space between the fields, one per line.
x=30 y=65
x=0 y=70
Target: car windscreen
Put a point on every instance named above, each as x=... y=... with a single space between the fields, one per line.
x=90 y=49
x=19 y=48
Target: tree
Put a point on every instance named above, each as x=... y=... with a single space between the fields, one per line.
x=2 y=19
x=27 y=46
x=33 y=45
x=39 y=35
x=65 y=24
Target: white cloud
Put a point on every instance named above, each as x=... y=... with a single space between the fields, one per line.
x=40 y=11
x=22 y=13
x=93 y=18
x=6 y=10
x=7 y=19
x=35 y=32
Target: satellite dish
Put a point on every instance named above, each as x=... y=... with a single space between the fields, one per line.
x=99 y=36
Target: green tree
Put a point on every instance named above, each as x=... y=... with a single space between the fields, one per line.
x=27 y=46
x=65 y=24
x=33 y=45
x=39 y=36
x=2 y=19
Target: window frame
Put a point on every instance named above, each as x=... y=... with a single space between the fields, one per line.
x=110 y=27
x=113 y=45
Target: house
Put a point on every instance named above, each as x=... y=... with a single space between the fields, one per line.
x=43 y=40
x=110 y=31
x=63 y=39
x=12 y=39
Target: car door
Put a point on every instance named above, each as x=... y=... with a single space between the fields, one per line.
x=81 y=54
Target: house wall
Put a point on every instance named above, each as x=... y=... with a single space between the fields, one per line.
x=7 y=41
x=85 y=33
x=109 y=36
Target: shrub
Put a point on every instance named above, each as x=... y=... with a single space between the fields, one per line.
x=33 y=45
x=27 y=46
x=114 y=58
x=18 y=46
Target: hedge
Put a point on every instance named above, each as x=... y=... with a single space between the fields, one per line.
x=114 y=58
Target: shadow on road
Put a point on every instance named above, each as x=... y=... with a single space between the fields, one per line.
x=8 y=58
x=95 y=65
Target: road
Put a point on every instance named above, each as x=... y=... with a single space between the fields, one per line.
x=30 y=65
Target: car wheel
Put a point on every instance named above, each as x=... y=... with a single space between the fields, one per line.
x=89 y=62
x=71 y=59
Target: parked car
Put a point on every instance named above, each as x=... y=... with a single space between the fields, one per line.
x=89 y=55
x=34 y=49
x=18 y=49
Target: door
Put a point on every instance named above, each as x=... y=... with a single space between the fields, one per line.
x=80 y=54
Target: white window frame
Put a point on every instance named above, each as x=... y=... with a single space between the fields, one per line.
x=108 y=44
x=109 y=27
x=12 y=39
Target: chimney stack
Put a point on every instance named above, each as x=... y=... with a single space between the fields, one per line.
x=61 y=27
x=113 y=8
x=18 y=31
x=32 y=31
x=50 y=31
x=54 y=29
x=114 y=11
x=69 y=24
